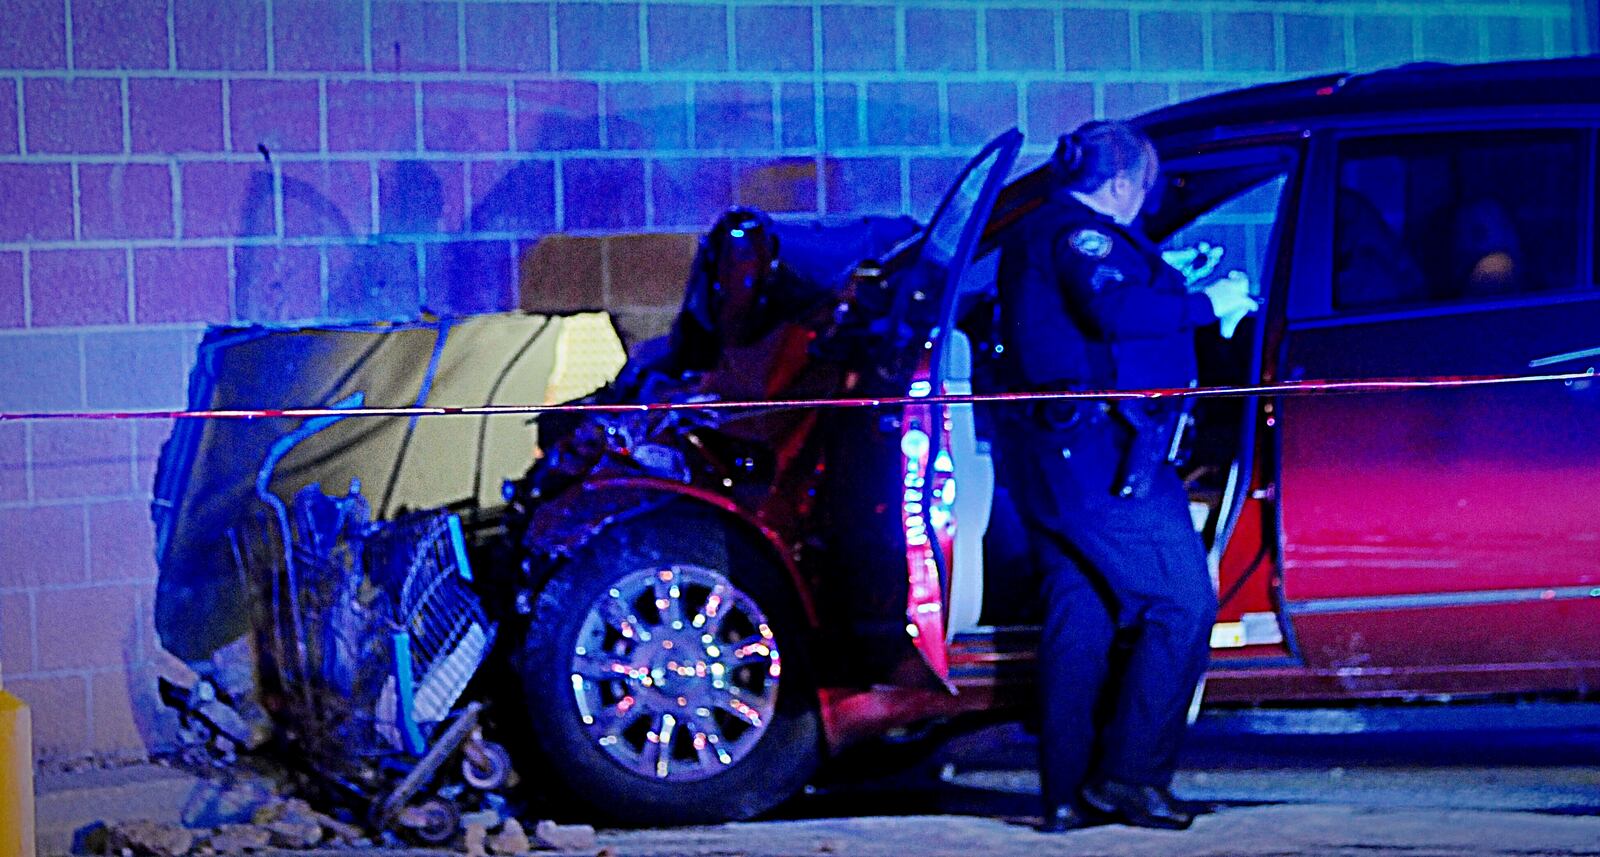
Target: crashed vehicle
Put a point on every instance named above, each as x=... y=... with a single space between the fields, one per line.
x=715 y=600
x=690 y=608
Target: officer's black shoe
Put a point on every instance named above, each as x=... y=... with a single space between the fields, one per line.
x=1062 y=817
x=1139 y=806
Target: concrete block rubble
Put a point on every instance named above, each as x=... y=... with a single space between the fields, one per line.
x=292 y=824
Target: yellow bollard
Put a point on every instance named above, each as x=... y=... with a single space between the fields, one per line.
x=16 y=776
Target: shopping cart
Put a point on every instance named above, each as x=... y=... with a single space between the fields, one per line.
x=368 y=634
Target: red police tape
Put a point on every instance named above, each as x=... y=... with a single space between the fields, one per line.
x=1291 y=388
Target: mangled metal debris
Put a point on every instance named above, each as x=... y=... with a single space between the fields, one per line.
x=353 y=615
x=368 y=635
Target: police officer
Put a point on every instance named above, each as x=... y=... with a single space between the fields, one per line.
x=1088 y=303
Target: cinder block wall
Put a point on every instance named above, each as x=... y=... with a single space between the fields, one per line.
x=168 y=164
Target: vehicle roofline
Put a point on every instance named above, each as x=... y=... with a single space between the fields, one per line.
x=1215 y=120
x=1157 y=122
x=1336 y=96
x=1464 y=118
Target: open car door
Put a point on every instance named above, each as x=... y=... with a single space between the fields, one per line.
x=930 y=433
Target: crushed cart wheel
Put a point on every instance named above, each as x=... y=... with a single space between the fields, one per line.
x=666 y=679
x=433 y=822
x=485 y=766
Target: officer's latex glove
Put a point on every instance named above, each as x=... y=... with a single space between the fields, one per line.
x=1231 y=301
x=1194 y=263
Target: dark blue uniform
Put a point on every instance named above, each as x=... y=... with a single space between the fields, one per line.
x=1089 y=304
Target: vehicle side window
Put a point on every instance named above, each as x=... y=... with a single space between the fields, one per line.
x=1240 y=227
x=1450 y=218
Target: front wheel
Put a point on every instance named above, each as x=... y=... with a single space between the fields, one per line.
x=665 y=676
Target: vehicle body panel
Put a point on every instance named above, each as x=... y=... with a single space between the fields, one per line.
x=1388 y=500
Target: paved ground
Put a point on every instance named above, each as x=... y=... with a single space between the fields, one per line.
x=1467 y=790
x=1257 y=832
x=1497 y=786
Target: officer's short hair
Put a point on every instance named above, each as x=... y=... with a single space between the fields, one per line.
x=1099 y=151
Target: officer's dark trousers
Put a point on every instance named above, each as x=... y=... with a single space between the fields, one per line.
x=1128 y=608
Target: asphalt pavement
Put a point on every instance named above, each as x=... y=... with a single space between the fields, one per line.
x=1481 y=780
x=1502 y=781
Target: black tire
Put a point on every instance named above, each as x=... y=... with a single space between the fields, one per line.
x=776 y=765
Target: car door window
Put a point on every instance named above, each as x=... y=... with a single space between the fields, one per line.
x=1235 y=231
x=953 y=232
x=1459 y=217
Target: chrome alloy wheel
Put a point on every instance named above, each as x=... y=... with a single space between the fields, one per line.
x=675 y=672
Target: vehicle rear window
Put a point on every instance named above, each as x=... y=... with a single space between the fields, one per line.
x=1445 y=218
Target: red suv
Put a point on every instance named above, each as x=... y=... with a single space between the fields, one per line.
x=714 y=600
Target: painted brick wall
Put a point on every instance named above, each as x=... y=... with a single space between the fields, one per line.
x=168 y=164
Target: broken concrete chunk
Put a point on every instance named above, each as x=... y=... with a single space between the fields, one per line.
x=293 y=823
x=92 y=839
x=564 y=837
x=151 y=839
x=295 y=808
x=337 y=828
x=477 y=836
x=170 y=667
x=295 y=833
x=511 y=839
x=281 y=808
x=235 y=673
x=488 y=819
x=239 y=838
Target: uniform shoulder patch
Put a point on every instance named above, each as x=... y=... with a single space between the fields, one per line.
x=1091 y=242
